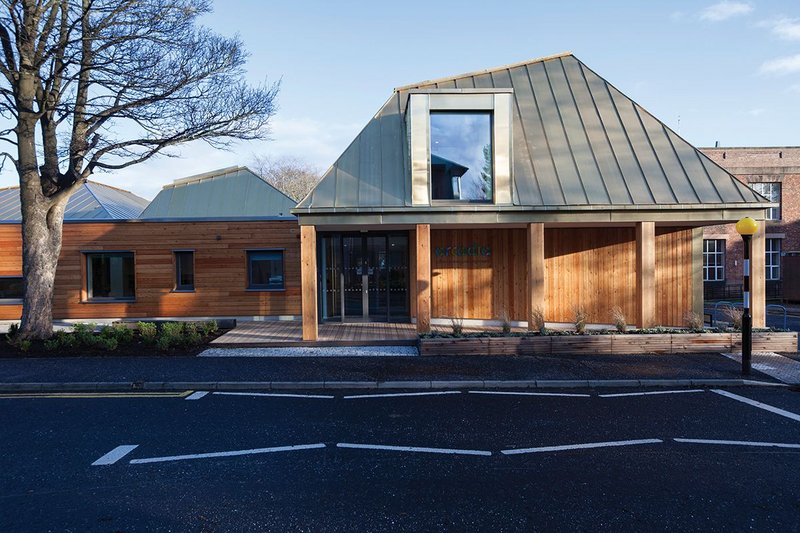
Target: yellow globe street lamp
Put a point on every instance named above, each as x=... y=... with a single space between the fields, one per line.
x=746 y=227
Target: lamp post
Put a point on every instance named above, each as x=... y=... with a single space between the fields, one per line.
x=746 y=227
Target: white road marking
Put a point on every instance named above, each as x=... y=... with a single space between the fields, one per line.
x=581 y=446
x=196 y=395
x=649 y=393
x=276 y=395
x=739 y=443
x=115 y=455
x=508 y=393
x=397 y=394
x=416 y=449
x=227 y=454
x=760 y=405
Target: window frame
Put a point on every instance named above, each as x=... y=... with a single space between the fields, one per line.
x=177 y=270
x=719 y=254
x=771 y=253
x=89 y=297
x=776 y=189
x=13 y=301
x=249 y=264
x=460 y=201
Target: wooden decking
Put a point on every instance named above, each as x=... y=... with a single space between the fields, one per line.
x=287 y=333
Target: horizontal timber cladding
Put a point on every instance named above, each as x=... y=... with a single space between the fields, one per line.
x=479 y=273
x=220 y=268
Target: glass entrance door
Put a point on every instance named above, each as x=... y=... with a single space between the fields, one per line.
x=364 y=277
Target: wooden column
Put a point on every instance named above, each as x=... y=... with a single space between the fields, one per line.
x=535 y=264
x=758 y=278
x=697 y=271
x=308 y=281
x=423 y=259
x=646 y=274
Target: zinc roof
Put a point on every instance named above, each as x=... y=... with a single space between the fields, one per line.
x=228 y=193
x=576 y=141
x=92 y=201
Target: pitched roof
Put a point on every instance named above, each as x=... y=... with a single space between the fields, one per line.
x=577 y=141
x=92 y=201
x=228 y=193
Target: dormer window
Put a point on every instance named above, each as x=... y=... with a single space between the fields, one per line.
x=461 y=163
x=460 y=146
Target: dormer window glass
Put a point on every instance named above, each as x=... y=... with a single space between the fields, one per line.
x=461 y=156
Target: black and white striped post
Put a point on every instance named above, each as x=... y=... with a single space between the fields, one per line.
x=746 y=227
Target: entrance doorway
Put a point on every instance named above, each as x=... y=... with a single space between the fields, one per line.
x=364 y=277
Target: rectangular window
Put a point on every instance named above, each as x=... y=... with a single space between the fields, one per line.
x=184 y=270
x=265 y=270
x=461 y=156
x=773 y=259
x=10 y=289
x=110 y=276
x=772 y=192
x=714 y=260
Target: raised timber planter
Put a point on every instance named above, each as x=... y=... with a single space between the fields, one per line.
x=608 y=344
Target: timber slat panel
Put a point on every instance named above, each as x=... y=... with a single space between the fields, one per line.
x=633 y=344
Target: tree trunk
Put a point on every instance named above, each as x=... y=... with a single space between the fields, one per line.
x=41 y=246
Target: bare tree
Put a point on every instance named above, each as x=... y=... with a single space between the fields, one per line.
x=290 y=175
x=90 y=85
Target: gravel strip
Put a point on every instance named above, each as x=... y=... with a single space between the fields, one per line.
x=304 y=351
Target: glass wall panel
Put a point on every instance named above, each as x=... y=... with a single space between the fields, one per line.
x=110 y=275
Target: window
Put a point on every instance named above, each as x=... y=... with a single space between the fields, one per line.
x=265 y=270
x=772 y=192
x=714 y=260
x=110 y=276
x=773 y=259
x=184 y=270
x=10 y=289
x=461 y=156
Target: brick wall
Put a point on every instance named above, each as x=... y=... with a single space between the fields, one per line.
x=751 y=165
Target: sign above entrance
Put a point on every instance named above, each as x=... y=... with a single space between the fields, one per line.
x=474 y=250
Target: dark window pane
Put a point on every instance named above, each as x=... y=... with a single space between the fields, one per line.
x=265 y=269
x=184 y=271
x=11 y=288
x=461 y=156
x=111 y=275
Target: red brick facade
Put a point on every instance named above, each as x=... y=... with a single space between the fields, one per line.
x=762 y=165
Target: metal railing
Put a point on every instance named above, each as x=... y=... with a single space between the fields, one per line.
x=722 y=303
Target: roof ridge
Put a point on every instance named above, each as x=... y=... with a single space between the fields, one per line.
x=205 y=175
x=96 y=199
x=106 y=185
x=485 y=71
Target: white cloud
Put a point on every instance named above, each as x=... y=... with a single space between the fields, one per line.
x=725 y=10
x=676 y=15
x=784 y=27
x=794 y=88
x=781 y=65
x=758 y=111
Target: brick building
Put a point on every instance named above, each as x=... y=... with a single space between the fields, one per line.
x=774 y=172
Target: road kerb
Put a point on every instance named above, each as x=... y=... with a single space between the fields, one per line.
x=123 y=386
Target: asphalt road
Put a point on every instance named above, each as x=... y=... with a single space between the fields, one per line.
x=321 y=463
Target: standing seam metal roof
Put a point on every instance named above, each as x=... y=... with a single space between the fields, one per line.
x=576 y=141
x=92 y=201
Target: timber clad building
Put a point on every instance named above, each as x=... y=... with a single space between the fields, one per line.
x=484 y=197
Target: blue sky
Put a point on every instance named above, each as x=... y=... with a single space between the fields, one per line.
x=713 y=71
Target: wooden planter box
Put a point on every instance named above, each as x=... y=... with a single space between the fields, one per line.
x=608 y=344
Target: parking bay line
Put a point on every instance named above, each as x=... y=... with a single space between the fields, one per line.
x=196 y=395
x=650 y=393
x=91 y=395
x=760 y=405
x=398 y=394
x=416 y=449
x=739 y=443
x=512 y=393
x=276 y=395
x=227 y=454
x=115 y=455
x=584 y=446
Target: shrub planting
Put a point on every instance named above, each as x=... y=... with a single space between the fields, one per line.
x=693 y=321
x=537 y=319
x=618 y=319
x=580 y=319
